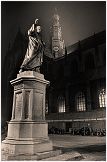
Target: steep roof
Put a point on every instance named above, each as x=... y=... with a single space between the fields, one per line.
x=89 y=42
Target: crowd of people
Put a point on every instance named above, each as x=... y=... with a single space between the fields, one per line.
x=84 y=131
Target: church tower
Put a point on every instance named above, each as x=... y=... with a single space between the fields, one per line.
x=58 y=46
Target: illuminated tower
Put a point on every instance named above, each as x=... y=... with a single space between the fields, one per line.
x=58 y=46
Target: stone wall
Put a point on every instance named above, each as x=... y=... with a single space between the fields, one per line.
x=95 y=118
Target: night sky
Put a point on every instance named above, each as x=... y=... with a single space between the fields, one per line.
x=78 y=19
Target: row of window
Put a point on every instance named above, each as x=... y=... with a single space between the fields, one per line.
x=80 y=101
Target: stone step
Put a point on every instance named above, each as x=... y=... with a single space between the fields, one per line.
x=37 y=156
x=69 y=156
x=49 y=154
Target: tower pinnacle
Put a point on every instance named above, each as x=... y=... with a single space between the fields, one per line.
x=58 y=46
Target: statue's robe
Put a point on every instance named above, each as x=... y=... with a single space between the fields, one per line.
x=34 y=53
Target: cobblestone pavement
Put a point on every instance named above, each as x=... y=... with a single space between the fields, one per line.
x=79 y=148
x=92 y=148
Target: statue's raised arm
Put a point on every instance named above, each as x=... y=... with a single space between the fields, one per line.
x=34 y=54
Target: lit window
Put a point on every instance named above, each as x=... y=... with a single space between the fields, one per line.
x=61 y=104
x=80 y=101
x=102 y=98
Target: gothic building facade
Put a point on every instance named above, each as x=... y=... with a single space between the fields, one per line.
x=76 y=96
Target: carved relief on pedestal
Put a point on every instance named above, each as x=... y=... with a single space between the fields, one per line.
x=18 y=106
x=37 y=111
x=26 y=106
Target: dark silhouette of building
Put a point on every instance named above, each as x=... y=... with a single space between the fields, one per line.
x=77 y=91
x=12 y=62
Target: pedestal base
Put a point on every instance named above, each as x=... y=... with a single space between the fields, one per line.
x=27 y=137
x=37 y=156
x=27 y=131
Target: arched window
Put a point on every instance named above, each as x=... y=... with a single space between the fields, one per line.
x=89 y=62
x=80 y=102
x=61 y=104
x=102 y=98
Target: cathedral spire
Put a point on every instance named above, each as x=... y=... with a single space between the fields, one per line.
x=58 y=46
x=56 y=12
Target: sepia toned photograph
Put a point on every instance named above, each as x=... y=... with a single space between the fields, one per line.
x=53 y=80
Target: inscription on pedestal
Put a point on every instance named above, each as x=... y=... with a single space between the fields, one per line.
x=26 y=108
x=38 y=106
x=19 y=105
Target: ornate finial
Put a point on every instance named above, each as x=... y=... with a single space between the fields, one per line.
x=56 y=16
x=56 y=11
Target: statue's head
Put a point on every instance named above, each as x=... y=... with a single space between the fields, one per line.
x=38 y=29
x=37 y=26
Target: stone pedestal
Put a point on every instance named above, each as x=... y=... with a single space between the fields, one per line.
x=28 y=130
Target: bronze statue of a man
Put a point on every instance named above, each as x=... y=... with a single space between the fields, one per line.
x=34 y=54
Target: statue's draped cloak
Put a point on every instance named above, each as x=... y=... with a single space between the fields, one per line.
x=34 y=53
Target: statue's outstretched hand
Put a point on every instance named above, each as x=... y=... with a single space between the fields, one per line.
x=31 y=29
x=36 y=21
